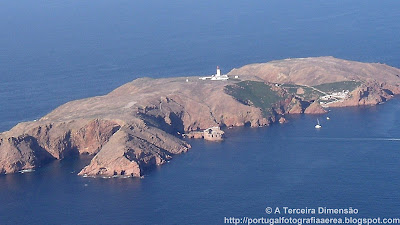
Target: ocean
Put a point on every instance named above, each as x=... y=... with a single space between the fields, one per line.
x=52 y=52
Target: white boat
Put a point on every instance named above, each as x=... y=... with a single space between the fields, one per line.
x=328 y=118
x=27 y=171
x=318 y=125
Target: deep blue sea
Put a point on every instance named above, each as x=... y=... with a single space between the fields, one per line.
x=55 y=51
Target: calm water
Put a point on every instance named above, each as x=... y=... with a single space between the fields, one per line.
x=52 y=52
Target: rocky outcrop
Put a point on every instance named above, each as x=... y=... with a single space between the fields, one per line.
x=296 y=106
x=114 y=144
x=21 y=152
x=282 y=120
x=138 y=126
x=131 y=150
x=315 y=108
x=371 y=93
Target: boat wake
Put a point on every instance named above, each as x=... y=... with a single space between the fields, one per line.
x=347 y=139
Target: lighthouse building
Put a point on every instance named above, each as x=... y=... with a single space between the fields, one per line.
x=216 y=76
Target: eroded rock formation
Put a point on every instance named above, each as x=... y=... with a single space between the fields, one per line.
x=139 y=125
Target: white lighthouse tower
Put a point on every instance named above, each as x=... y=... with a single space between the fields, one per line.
x=216 y=76
x=218 y=72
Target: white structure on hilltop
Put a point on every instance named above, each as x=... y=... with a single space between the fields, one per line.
x=218 y=72
x=216 y=76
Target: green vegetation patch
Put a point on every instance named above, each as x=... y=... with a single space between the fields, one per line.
x=254 y=93
x=338 y=86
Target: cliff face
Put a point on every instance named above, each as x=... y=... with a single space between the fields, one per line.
x=132 y=149
x=371 y=93
x=21 y=152
x=315 y=108
x=138 y=125
x=129 y=130
x=120 y=148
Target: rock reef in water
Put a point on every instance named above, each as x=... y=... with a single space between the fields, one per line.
x=139 y=125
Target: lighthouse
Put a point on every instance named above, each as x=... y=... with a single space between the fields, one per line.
x=216 y=76
x=218 y=72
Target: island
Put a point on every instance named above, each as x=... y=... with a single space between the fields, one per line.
x=145 y=123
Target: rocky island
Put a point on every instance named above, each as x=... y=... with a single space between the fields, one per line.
x=142 y=123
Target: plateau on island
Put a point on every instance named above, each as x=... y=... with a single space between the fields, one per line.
x=144 y=123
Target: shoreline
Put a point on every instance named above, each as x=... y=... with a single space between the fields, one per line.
x=137 y=126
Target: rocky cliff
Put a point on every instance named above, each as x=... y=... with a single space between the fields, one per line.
x=140 y=124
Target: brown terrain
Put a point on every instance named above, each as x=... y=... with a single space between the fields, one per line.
x=140 y=124
x=379 y=81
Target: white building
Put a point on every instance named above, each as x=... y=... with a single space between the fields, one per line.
x=213 y=134
x=336 y=95
x=216 y=76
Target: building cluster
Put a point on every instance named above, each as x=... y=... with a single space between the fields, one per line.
x=336 y=95
x=209 y=134
x=217 y=76
x=326 y=100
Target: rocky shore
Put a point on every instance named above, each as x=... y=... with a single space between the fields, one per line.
x=140 y=124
